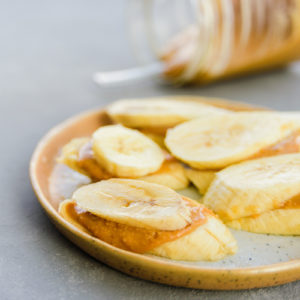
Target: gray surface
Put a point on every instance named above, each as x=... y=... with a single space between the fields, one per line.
x=49 y=49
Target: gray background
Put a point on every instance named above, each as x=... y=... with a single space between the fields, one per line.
x=48 y=51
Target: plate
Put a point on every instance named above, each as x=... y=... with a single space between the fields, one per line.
x=262 y=260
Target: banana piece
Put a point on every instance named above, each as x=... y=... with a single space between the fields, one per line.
x=171 y=174
x=70 y=154
x=63 y=210
x=279 y=221
x=158 y=138
x=252 y=195
x=135 y=203
x=147 y=205
x=158 y=112
x=210 y=241
x=126 y=152
x=78 y=156
x=221 y=140
x=201 y=179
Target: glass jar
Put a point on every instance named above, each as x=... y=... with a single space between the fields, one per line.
x=201 y=41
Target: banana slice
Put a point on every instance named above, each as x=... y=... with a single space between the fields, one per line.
x=138 y=216
x=211 y=241
x=171 y=174
x=70 y=154
x=255 y=193
x=201 y=179
x=218 y=141
x=158 y=112
x=134 y=202
x=126 y=152
x=78 y=155
x=158 y=138
x=279 y=221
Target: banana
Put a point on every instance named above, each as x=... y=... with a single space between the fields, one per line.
x=171 y=174
x=78 y=155
x=126 y=152
x=135 y=203
x=256 y=195
x=158 y=138
x=158 y=112
x=221 y=140
x=278 y=221
x=70 y=154
x=155 y=207
x=210 y=242
x=201 y=179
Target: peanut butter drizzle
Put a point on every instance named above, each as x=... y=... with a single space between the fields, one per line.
x=294 y=202
x=289 y=144
x=87 y=162
x=131 y=238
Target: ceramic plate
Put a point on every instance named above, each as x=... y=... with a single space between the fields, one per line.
x=262 y=260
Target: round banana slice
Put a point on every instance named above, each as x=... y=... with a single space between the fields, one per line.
x=158 y=112
x=126 y=152
x=254 y=187
x=136 y=203
x=219 y=141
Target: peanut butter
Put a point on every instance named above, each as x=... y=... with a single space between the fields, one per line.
x=135 y=239
x=293 y=202
x=290 y=144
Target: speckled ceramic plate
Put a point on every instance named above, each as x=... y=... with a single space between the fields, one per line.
x=262 y=260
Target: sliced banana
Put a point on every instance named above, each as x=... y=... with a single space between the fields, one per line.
x=278 y=221
x=210 y=241
x=152 y=206
x=134 y=202
x=219 y=141
x=158 y=112
x=158 y=138
x=252 y=188
x=201 y=179
x=171 y=174
x=70 y=154
x=126 y=152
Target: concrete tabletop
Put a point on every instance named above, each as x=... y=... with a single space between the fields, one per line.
x=49 y=50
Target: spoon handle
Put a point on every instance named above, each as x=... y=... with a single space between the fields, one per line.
x=128 y=75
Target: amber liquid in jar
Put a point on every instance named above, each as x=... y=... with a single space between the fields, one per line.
x=233 y=37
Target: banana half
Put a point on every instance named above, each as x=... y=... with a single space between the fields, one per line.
x=221 y=140
x=148 y=218
x=261 y=195
x=158 y=112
